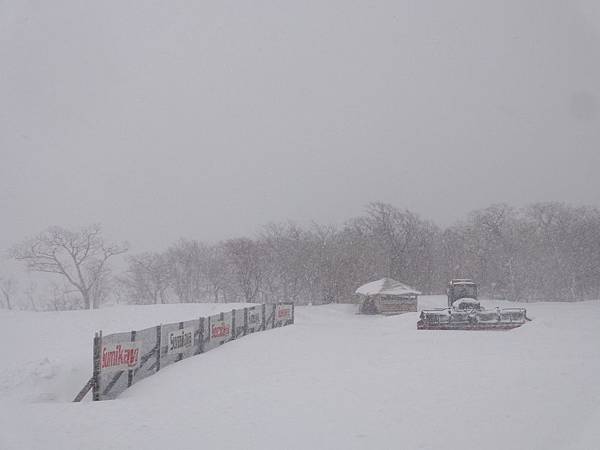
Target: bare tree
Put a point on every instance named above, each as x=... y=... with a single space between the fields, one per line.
x=62 y=297
x=29 y=292
x=147 y=278
x=216 y=271
x=245 y=258
x=285 y=248
x=8 y=287
x=185 y=259
x=79 y=256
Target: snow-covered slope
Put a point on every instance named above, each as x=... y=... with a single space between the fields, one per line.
x=332 y=380
x=47 y=355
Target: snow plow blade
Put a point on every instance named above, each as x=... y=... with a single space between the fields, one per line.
x=447 y=319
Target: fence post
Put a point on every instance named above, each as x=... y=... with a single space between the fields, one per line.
x=201 y=337
x=222 y=319
x=293 y=312
x=274 y=311
x=180 y=355
x=209 y=329
x=130 y=371
x=233 y=331
x=158 y=341
x=264 y=317
x=96 y=366
x=245 y=321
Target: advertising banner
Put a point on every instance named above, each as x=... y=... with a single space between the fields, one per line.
x=120 y=356
x=220 y=330
x=283 y=314
x=180 y=341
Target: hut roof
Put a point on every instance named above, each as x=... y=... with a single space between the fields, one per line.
x=386 y=286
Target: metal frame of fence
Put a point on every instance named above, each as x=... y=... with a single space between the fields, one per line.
x=122 y=359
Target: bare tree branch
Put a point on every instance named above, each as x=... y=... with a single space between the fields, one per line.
x=79 y=256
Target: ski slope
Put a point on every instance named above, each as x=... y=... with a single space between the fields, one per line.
x=333 y=380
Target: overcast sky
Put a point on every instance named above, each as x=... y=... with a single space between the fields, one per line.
x=208 y=119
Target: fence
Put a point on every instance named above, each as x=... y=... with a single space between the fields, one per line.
x=122 y=359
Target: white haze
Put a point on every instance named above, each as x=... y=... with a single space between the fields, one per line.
x=208 y=119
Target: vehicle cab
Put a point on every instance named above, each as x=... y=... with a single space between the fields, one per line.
x=461 y=288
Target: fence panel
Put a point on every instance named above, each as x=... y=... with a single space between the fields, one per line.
x=255 y=315
x=240 y=320
x=179 y=341
x=149 y=340
x=218 y=330
x=284 y=314
x=119 y=356
x=269 y=313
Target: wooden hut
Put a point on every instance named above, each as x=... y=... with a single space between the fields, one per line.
x=387 y=296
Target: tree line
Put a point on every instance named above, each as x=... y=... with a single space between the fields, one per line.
x=545 y=251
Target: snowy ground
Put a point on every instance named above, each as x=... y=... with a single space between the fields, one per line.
x=332 y=380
